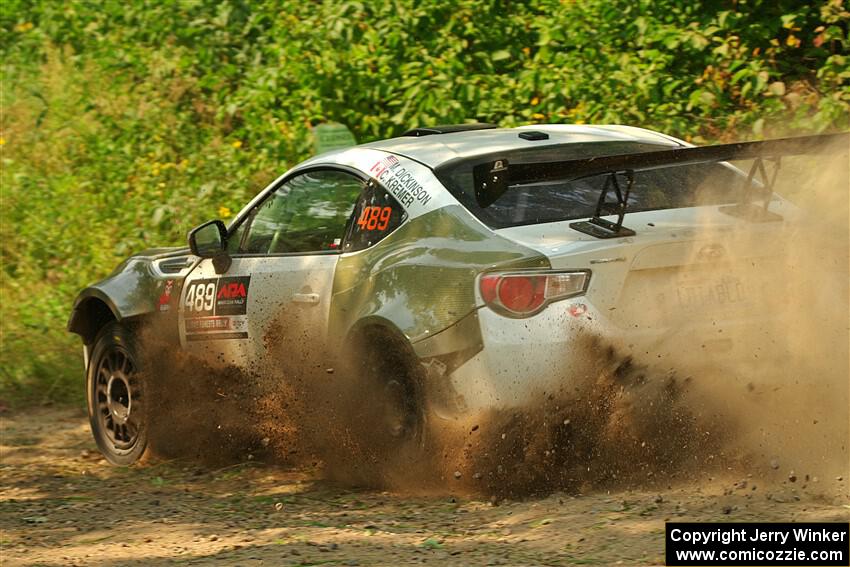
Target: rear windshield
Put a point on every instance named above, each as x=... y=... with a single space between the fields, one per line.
x=559 y=200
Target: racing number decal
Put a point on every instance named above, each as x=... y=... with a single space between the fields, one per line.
x=200 y=298
x=219 y=296
x=376 y=215
x=375 y=218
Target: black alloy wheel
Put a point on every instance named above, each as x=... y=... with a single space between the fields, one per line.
x=115 y=397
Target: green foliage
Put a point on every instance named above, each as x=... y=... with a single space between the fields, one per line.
x=124 y=124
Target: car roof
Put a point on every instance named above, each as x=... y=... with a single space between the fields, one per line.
x=436 y=149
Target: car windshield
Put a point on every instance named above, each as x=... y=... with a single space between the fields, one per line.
x=545 y=201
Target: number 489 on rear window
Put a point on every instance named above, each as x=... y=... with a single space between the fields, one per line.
x=376 y=215
x=374 y=218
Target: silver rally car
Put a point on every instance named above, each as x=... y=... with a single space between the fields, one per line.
x=468 y=259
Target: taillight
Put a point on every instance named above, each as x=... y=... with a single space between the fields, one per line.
x=521 y=294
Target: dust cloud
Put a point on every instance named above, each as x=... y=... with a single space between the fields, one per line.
x=219 y=413
x=616 y=423
x=750 y=379
x=790 y=392
x=756 y=384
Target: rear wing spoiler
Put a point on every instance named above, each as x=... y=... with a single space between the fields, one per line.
x=493 y=178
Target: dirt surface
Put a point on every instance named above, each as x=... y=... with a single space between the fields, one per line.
x=63 y=505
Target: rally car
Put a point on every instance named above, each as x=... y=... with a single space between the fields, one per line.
x=473 y=255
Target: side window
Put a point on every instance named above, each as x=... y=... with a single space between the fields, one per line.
x=376 y=215
x=308 y=213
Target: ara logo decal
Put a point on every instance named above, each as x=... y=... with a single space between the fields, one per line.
x=232 y=296
x=233 y=290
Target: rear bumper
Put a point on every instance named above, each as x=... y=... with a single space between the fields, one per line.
x=522 y=359
x=553 y=352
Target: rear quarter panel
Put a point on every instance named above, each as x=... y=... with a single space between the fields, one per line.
x=421 y=278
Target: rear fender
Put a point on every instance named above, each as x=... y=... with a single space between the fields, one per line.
x=419 y=282
x=421 y=278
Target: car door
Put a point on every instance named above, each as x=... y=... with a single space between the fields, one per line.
x=271 y=306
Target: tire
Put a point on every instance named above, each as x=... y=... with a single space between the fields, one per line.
x=390 y=379
x=115 y=396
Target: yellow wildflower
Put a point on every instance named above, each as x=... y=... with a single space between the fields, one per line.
x=538 y=116
x=534 y=101
x=2 y=140
x=237 y=144
x=224 y=212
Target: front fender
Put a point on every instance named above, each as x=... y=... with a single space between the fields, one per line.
x=135 y=289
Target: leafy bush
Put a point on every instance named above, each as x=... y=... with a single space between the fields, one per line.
x=124 y=124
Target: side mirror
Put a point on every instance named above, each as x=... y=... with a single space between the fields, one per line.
x=210 y=241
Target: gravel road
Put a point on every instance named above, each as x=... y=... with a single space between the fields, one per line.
x=63 y=505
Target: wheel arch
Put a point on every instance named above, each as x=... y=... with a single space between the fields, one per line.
x=382 y=325
x=379 y=347
x=91 y=312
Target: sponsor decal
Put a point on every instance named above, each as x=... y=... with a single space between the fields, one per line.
x=400 y=182
x=165 y=297
x=232 y=296
x=208 y=324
